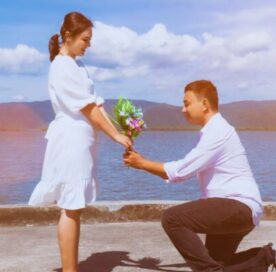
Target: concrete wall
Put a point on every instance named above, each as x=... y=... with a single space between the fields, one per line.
x=121 y=211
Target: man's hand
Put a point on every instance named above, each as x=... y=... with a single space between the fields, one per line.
x=134 y=159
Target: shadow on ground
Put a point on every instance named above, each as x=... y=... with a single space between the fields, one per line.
x=108 y=260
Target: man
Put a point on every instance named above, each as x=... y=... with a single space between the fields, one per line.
x=230 y=205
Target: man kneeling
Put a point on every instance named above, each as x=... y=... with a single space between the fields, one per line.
x=230 y=206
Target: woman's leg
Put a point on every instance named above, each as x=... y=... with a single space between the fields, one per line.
x=68 y=238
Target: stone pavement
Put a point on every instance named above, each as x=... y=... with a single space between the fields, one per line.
x=104 y=247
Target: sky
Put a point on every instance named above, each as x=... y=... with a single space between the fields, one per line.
x=146 y=49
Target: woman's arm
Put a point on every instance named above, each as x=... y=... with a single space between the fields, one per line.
x=97 y=118
x=104 y=113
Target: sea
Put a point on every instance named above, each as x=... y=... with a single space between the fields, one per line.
x=22 y=154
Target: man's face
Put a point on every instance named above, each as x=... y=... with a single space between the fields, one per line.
x=193 y=108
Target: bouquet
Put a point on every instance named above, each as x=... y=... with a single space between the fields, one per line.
x=129 y=118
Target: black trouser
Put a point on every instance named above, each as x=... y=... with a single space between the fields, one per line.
x=224 y=221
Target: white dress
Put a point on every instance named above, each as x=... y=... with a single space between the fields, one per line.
x=68 y=172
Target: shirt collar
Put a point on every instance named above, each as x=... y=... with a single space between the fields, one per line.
x=214 y=119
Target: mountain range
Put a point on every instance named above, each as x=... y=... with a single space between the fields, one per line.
x=244 y=115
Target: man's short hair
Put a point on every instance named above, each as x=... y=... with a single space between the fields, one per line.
x=204 y=89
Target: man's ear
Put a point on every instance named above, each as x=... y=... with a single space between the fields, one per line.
x=206 y=104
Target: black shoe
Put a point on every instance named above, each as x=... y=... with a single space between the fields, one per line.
x=263 y=260
x=273 y=249
x=270 y=254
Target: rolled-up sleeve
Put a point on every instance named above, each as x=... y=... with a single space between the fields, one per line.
x=195 y=161
x=99 y=100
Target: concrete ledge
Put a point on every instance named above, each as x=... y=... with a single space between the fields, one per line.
x=99 y=212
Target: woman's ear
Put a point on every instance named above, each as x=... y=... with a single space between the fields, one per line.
x=67 y=35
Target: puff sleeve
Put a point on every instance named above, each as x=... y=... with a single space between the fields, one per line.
x=72 y=86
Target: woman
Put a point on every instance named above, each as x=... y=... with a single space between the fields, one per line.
x=68 y=168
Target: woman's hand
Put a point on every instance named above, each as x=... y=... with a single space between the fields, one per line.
x=133 y=159
x=123 y=140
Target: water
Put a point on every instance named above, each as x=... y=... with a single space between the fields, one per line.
x=21 y=157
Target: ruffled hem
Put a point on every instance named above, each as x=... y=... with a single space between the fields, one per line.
x=71 y=196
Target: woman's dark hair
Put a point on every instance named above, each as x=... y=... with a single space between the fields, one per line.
x=75 y=23
x=204 y=89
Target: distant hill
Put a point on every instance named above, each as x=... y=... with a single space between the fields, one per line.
x=244 y=115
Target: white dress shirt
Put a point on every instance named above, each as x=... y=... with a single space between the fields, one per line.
x=219 y=160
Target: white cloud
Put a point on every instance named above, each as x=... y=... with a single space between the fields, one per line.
x=250 y=42
x=241 y=59
x=103 y=74
x=166 y=46
x=254 y=16
x=22 y=60
x=242 y=85
x=114 y=47
x=18 y=97
x=236 y=53
x=165 y=61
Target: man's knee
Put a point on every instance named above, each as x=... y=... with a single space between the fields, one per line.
x=164 y=219
x=169 y=218
x=176 y=216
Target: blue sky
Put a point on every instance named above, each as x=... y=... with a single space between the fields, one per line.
x=146 y=49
